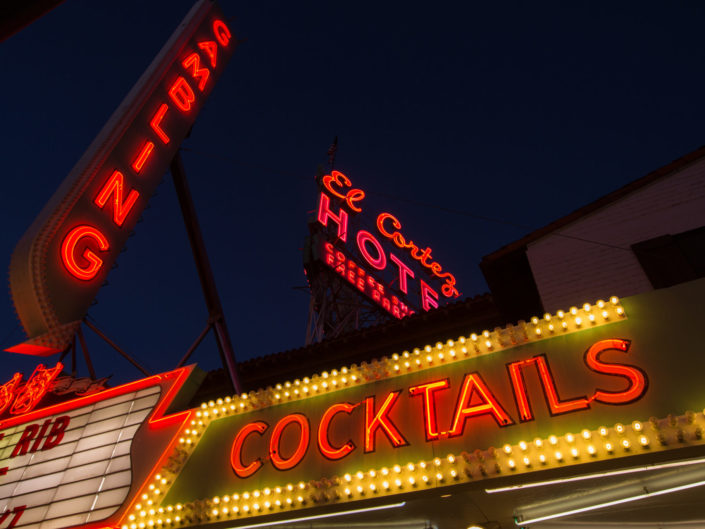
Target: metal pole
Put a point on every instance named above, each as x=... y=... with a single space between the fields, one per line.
x=111 y=344
x=205 y=273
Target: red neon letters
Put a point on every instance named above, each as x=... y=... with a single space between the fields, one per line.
x=81 y=247
x=422 y=257
x=91 y=262
x=378 y=418
x=339 y=186
x=20 y=399
x=114 y=186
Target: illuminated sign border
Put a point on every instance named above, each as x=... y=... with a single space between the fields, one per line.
x=552 y=451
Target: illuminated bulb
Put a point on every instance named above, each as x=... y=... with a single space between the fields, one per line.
x=591 y=450
x=488 y=344
x=437 y=461
x=547 y=317
x=397 y=468
x=626 y=444
x=359 y=475
x=347 y=491
x=422 y=464
x=535 y=320
x=511 y=464
x=289 y=501
x=418 y=362
x=372 y=473
x=578 y=321
x=619 y=428
x=246 y=495
x=246 y=508
x=396 y=367
x=550 y=327
x=538 y=442
x=214 y=512
x=464 y=350
x=573 y=310
x=439 y=476
x=440 y=356
x=538 y=331
x=451 y=458
x=385 y=471
x=385 y=484
x=360 y=489
x=527 y=461
x=591 y=317
x=453 y=474
x=452 y=353
x=216 y=500
x=553 y=440
x=412 y=481
x=608 y=447
x=397 y=482
x=427 y=348
x=302 y=485
x=605 y=314
x=429 y=359
x=614 y=300
x=569 y=437
x=587 y=307
x=643 y=440
x=620 y=311
x=574 y=452
x=560 y=314
x=542 y=458
x=372 y=487
x=486 y=333
x=410 y=466
x=603 y=431
x=507 y=449
x=564 y=325
x=473 y=337
x=353 y=378
x=586 y=434
x=558 y=455
x=523 y=445
x=256 y=506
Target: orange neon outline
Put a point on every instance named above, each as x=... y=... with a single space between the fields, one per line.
x=328 y=450
x=352 y=196
x=429 y=297
x=142 y=157
x=156 y=120
x=471 y=383
x=279 y=462
x=422 y=257
x=69 y=245
x=365 y=236
x=404 y=271
x=516 y=375
x=341 y=220
x=381 y=419
x=637 y=378
x=555 y=405
x=194 y=62
x=240 y=469
x=211 y=49
x=115 y=186
x=156 y=421
x=7 y=392
x=35 y=388
x=182 y=94
x=221 y=30
x=426 y=391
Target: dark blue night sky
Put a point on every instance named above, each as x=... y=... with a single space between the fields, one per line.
x=448 y=114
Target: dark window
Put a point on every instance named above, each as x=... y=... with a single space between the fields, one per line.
x=672 y=259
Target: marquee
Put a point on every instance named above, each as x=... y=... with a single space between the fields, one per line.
x=610 y=383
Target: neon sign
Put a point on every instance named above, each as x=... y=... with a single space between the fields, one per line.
x=339 y=186
x=64 y=258
x=73 y=464
x=363 y=281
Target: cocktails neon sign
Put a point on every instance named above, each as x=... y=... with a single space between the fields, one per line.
x=63 y=259
x=475 y=398
x=369 y=247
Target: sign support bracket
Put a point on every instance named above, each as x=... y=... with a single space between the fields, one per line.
x=205 y=273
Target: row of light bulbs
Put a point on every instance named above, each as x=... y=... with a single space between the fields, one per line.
x=524 y=456
x=563 y=322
